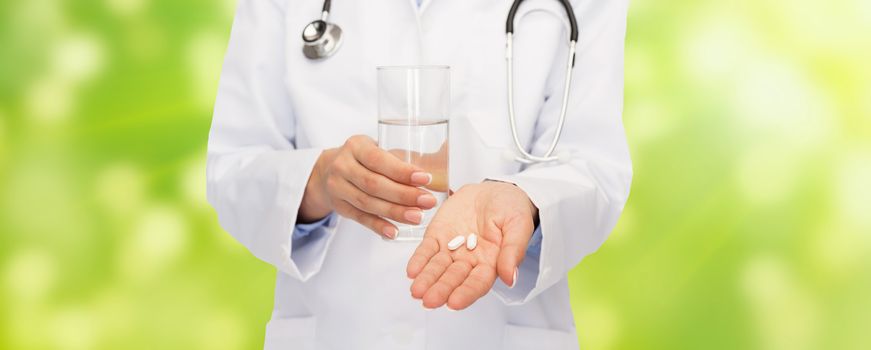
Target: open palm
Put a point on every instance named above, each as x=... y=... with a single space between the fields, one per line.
x=501 y=215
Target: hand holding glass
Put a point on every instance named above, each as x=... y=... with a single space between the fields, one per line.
x=413 y=107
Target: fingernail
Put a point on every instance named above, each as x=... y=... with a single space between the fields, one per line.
x=421 y=177
x=389 y=232
x=514 y=279
x=426 y=308
x=414 y=216
x=426 y=200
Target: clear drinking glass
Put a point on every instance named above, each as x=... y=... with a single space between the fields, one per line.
x=413 y=107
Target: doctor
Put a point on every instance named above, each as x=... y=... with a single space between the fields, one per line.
x=295 y=176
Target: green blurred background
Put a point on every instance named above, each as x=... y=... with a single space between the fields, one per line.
x=747 y=227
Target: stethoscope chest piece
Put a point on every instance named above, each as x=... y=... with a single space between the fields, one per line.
x=321 y=39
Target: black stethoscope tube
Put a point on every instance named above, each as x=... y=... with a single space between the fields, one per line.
x=509 y=23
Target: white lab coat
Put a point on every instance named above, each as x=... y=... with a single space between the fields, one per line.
x=344 y=287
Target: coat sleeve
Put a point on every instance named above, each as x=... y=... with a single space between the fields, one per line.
x=256 y=175
x=579 y=201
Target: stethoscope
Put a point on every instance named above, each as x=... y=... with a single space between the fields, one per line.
x=321 y=39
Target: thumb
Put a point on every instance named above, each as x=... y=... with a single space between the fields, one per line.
x=515 y=239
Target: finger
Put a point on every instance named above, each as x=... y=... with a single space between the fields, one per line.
x=428 y=247
x=380 y=161
x=378 y=225
x=434 y=269
x=515 y=239
x=380 y=186
x=377 y=206
x=453 y=277
x=475 y=286
x=435 y=163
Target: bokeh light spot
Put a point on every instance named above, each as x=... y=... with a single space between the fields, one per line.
x=714 y=51
x=29 y=275
x=853 y=183
x=840 y=250
x=205 y=55
x=193 y=182
x=79 y=57
x=49 y=100
x=776 y=102
x=158 y=239
x=764 y=279
x=785 y=315
x=120 y=189
x=74 y=329
x=767 y=175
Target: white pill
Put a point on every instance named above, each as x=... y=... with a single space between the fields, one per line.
x=456 y=242
x=472 y=241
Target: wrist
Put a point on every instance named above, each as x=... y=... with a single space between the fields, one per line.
x=315 y=205
x=533 y=210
